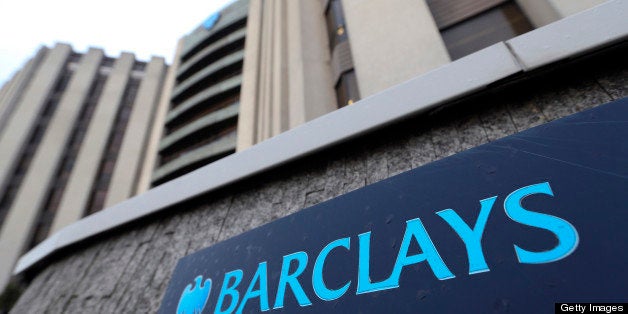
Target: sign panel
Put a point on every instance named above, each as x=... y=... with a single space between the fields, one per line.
x=211 y=21
x=511 y=226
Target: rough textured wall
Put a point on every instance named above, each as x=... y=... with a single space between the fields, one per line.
x=129 y=271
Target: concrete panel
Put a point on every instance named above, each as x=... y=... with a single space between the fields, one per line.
x=247 y=122
x=158 y=124
x=13 y=90
x=28 y=110
x=311 y=86
x=280 y=81
x=577 y=34
x=128 y=165
x=4 y=89
x=568 y=7
x=543 y=12
x=392 y=41
x=79 y=186
x=18 y=84
x=290 y=81
x=23 y=213
x=6 y=105
x=264 y=112
x=539 y=12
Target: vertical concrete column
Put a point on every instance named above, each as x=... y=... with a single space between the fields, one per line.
x=159 y=122
x=5 y=87
x=539 y=12
x=568 y=7
x=5 y=109
x=31 y=197
x=543 y=12
x=311 y=89
x=128 y=165
x=280 y=82
x=392 y=41
x=247 y=118
x=264 y=115
x=17 y=130
x=17 y=86
x=287 y=76
x=79 y=186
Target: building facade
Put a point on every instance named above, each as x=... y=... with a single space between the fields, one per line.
x=307 y=58
x=200 y=125
x=73 y=133
x=256 y=69
x=334 y=96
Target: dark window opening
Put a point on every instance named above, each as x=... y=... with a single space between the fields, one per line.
x=139 y=66
x=497 y=23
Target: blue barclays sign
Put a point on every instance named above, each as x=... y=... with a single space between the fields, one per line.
x=514 y=225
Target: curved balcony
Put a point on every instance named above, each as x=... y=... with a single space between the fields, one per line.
x=203 y=96
x=196 y=158
x=232 y=18
x=216 y=49
x=200 y=125
x=213 y=73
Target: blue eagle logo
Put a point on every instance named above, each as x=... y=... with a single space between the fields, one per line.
x=211 y=21
x=193 y=299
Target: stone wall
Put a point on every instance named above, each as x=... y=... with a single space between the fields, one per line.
x=128 y=271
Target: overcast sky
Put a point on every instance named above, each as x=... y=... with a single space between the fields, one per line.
x=144 y=27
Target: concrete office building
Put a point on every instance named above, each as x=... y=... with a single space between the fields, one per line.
x=335 y=95
x=203 y=94
x=298 y=64
x=73 y=131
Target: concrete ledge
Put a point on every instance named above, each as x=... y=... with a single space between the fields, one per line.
x=221 y=145
x=209 y=92
x=210 y=70
x=449 y=82
x=601 y=25
x=238 y=35
x=231 y=15
x=217 y=116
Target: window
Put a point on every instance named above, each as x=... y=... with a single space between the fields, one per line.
x=470 y=25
